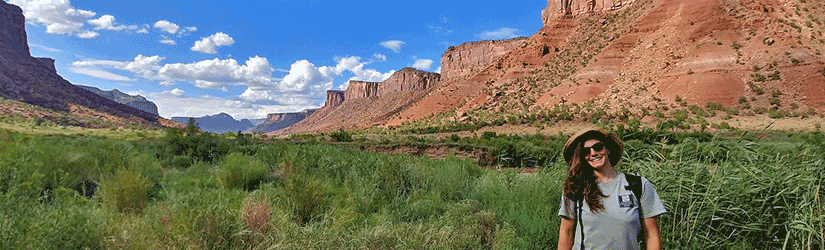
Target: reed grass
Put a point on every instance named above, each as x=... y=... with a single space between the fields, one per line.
x=721 y=191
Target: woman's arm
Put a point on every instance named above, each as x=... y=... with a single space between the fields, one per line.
x=566 y=233
x=651 y=234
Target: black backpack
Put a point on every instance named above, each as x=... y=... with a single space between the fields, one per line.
x=635 y=185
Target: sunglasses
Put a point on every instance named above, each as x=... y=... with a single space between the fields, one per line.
x=596 y=146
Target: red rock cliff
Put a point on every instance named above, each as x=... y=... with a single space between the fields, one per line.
x=408 y=79
x=557 y=8
x=334 y=98
x=469 y=58
x=360 y=89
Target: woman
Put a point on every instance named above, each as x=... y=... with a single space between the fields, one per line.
x=599 y=206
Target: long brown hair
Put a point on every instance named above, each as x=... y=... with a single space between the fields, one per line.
x=581 y=181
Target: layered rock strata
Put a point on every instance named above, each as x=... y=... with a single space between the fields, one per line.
x=469 y=58
x=334 y=97
x=281 y=120
x=367 y=103
x=559 y=8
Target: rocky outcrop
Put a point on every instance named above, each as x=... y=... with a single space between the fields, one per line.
x=135 y=101
x=367 y=103
x=334 y=98
x=13 y=29
x=361 y=89
x=559 y=8
x=281 y=120
x=48 y=63
x=35 y=81
x=408 y=79
x=469 y=58
x=404 y=80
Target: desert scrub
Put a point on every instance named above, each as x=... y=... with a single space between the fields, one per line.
x=126 y=191
x=238 y=170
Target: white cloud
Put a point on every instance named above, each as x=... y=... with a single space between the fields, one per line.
x=143 y=31
x=423 y=64
x=168 y=41
x=49 y=49
x=143 y=66
x=88 y=34
x=58 y=16
x=501 y=33
x=309 y=81
x=177 y=92
x=167 y=26
x=208 y=44
x=170 y=104
x=107 y=22
x=379 y=57
x=217 y=73
x=100 y=74
x=186 y=31
x=394 y=45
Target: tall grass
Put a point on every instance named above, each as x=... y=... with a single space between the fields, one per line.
x=721 y=193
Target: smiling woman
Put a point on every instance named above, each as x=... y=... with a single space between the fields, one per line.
x=614 y=209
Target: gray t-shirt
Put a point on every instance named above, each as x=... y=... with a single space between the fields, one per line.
x=617 y=226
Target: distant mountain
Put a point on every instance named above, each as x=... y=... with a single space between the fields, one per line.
x=135 y=101
x=281 y=120
x=219 y=124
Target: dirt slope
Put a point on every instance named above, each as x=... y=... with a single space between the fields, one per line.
x=645 y=54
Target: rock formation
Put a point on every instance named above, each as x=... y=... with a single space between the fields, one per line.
x=367 y=103
x=281 y=120
x=13 y=30
x=334 y=98
x=34 y=80
x=469 y=58
x=361 y=89
x=570 y=8
x=408 y=80
x=135 y=101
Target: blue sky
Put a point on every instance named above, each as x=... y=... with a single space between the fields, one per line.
x=251 y=58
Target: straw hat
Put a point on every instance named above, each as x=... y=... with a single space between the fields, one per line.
x=611 y=142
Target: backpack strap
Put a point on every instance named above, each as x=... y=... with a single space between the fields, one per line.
x=635 y=185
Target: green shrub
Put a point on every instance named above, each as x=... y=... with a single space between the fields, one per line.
x=126 y=191
x=241 y=171
x=341 y=136
x=307 y=198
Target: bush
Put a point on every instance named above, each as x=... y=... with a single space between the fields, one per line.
x=126 y=191
x=241 y=171
x=307 y=198
x=341 y=136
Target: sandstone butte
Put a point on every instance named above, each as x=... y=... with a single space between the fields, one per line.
x=631 y=54
x=34 y=80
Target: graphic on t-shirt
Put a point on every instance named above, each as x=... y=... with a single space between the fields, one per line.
x=626 y=201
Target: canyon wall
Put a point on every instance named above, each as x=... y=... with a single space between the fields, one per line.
x=361 y=89
x=408 y=79
x=334 y=98
x=34 y=80
x=468 y=58
x=404 y=80
x=558 y=8
x=13 y=29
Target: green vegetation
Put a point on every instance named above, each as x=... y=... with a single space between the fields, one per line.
x=732 y=190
